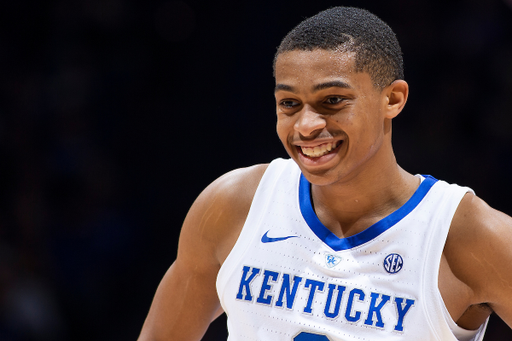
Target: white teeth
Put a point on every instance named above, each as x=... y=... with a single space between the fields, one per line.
x=319 y=150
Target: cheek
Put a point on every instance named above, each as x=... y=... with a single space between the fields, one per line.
x=347 y=120
x=284 y=125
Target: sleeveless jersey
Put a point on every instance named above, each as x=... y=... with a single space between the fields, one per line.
x=289 y=278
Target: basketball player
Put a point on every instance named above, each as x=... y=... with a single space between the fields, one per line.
x=338 y=242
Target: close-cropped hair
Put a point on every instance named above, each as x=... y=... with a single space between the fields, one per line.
x=349 y=29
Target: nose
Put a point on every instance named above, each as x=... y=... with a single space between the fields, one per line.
x=309 y=122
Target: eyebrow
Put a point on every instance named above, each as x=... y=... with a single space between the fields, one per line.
x=331 y=84
x=318 y=87
x=284 y=87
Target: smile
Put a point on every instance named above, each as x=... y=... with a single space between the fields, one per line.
x=321 y=150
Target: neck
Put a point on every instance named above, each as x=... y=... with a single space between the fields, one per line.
x=350 y=206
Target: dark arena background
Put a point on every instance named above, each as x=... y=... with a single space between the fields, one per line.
x=115 y=114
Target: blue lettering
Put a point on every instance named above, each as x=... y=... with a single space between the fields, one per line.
x=402 y=311
x=314 y=285
x=289 y=289
x=290 y=294
x=265 y=286
x=304 y=336
x=376 y=309
x=245 y=283
x=348 y=312
x=336 y=311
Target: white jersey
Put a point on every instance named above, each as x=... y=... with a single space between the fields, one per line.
x=289 y=278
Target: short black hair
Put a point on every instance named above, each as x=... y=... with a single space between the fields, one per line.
x=352 y=30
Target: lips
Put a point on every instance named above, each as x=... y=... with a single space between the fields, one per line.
x=321 y=150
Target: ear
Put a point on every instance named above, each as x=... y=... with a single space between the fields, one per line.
x=396 y=97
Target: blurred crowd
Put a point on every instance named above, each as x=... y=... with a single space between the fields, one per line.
x=114 y=114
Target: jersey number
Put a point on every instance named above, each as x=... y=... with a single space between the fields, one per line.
x=310 y=337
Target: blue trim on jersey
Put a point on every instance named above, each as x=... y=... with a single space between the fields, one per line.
x=360 y=238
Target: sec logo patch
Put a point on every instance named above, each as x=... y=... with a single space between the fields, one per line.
x=393 y=263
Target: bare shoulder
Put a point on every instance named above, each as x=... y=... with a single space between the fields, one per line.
x=479 y=254
x=478 y=228
x=236 y=187
x=218 y=214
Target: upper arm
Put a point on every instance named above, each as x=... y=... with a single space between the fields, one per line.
x=480 y=254
x=186 y=300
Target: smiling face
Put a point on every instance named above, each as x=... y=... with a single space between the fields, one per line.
x=332 y=121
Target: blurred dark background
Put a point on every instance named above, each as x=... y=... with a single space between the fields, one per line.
x=115 y=114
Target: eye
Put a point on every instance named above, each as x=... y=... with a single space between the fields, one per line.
x=288 y=103
x=334 y=100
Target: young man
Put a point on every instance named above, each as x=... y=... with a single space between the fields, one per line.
x=339 y=242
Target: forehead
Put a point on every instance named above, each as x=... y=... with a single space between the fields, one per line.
x=305 y=67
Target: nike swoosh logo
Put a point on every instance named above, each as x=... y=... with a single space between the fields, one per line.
x=266 y=239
